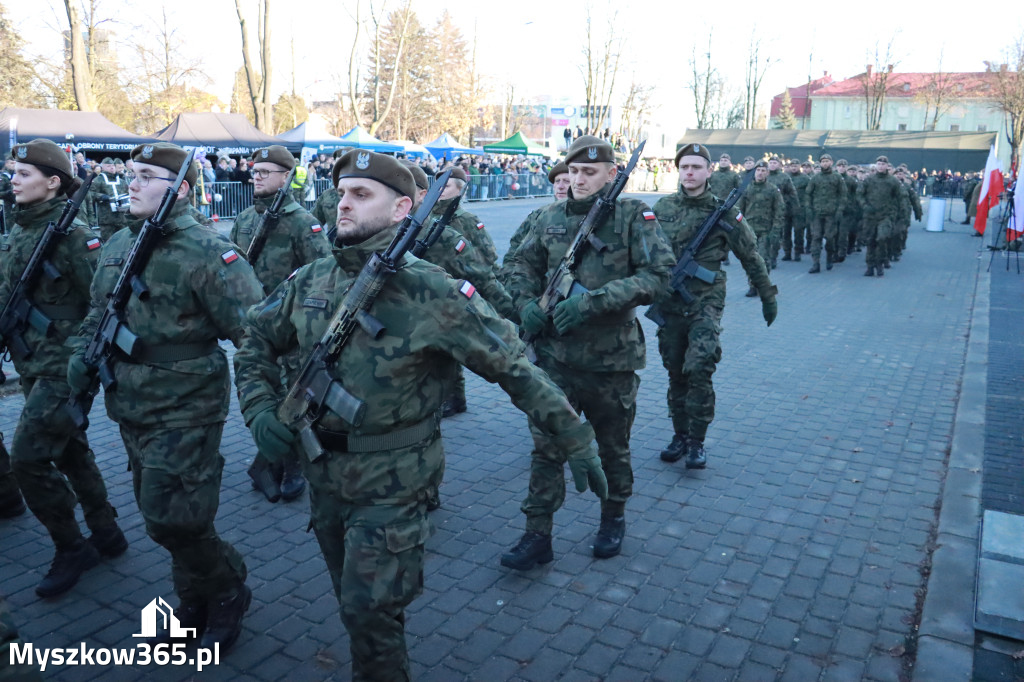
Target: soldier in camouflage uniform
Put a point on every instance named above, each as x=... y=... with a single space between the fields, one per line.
x=10 y=669
x=879 y=196
x=50 y=456
x=326 y=207
x=688 y=342
x=724 y=179
x=763 y=209
x=11 y=502
x=172 y=398
x=825 y=200
x=912 y=204
x=295 y=240
x=594 y=345
x=6 y=192
x=467 y=224
x=559 y=177
x=103 y=194
x=797 y=235
x=785 y=185
x=368 y=493
x=849 y=220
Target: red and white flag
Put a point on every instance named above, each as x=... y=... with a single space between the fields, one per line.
x=991 y=188
x=1015 y=228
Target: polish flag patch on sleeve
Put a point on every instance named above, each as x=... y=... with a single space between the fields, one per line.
x=467 y=289
x=229 y=256
x=739 y=216
x=316 y=227
x=93 y=244
x=460 y=246
x=479 y=226
x=649 y=215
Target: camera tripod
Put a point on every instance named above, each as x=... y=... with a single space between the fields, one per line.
x=1007 y=221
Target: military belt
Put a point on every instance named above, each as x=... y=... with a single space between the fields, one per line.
x=63 y=312
x=340 y=441
x=173 y=352
x=613 y=319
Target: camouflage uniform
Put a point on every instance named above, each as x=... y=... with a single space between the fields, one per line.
x=723 y=181
x=826 y=198
x=798 y=235
x=11 y=503
x=7 y=197
x=688 y=342
x=879 y=196
x=505 y=271
x=913 y=204
x=849 y=221
x=595 y=363
x=9 y=670
x=785 y=185
x=47 y=452
x=470 y=227
x=763 y=208
x=171 y=412
x=454 y=254
x=326 y=208
x=369 y=508
x=104 y=188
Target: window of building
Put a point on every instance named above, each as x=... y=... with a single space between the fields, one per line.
x=982 y=128
x=955 y=128
x=901 y=126
x=906 y=87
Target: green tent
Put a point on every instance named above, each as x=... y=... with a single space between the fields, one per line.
x=517 y=144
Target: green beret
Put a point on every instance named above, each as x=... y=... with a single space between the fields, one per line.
x=419 y=175
x=775 y=157
x=45 y=154
x=338 y=153
x=107 y=159
x=457 y=173
x=761 y=164
x=118 y=162
x=590 y=149
x=558 y=169
x=745 y=159
x=691 y=149
x=276 y=154
x=825 y=156
x=882 y=158
x=725 y=155
x=167 y=156
x=842 y=162
x=387 y=170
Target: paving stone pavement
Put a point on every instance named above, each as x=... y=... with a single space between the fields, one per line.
x=796 y=555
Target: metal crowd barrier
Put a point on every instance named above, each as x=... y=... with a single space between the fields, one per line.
x=508 y=186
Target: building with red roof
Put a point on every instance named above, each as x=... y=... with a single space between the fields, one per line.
x=800 y=100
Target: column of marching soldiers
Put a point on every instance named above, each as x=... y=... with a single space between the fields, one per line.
x=379 y=325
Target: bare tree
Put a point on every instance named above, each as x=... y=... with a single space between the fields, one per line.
x=875 y=81
x=937 y=96
x=371 y=102
x=707 y=87
x=1009 y=98
x=258 y=83
x=600 y=67
x=757 y=67
x=81 y=76
x=635 y=109
x=19 y=81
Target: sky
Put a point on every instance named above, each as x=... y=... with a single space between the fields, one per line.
x=536 y=45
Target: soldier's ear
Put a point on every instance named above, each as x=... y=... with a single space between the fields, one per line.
x=183 y=190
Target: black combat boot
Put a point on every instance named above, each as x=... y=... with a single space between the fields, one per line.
x=676 y=449
x=815 y=269
x=532 y=549
x=879 y=271
x=191 y=615
x=224 y=619
x=608 y=542
x=828 y=262
x=787 y=256
x=870 y=271
x=696 y=458
x=292 y=482
x=69 y=563
x=796 y=257
x=109 y=541
x=751 y=292
x=12 y=506
x=453 y=405
x=265 y=478
x=886 y=264
x=433 y=500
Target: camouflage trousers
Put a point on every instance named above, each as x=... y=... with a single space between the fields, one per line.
x=824 y=227
x=11 y=670
x=608 y=401
x=9 y=490
x=176 y=478
x=54 y=466
x=795 y=234
x=876 y=235
x=898 y=241
x=374 y=549
x=690 y=351
x=775 y=239
x=764 y=249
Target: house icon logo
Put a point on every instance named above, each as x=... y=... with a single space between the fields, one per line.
x=156 y=611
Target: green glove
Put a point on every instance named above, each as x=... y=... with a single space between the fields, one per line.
x=533 y=318
x=770 y=310
x=80 y=375
x=273 y=438
x=569 y=313
x=587 y=472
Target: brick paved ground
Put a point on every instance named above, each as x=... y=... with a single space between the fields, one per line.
x=794 y=556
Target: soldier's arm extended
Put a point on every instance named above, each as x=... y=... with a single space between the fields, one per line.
x=744 y=244
x=310 y=242
x=461 y=260
x=778 y=213
x=809 y=199
x=529 y=269
x=915 y=202
x=513 y=245
x=843 y=198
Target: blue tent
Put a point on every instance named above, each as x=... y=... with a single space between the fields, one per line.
x=360 y=138
x=448 y=146
x=313 y=134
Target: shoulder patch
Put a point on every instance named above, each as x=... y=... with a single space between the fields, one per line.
x=479 y=226
x=460 y=246
x=467 y=289
x=316 y=227
x=649 y=215
x=93 y=244
x=289 y=278
x=229 y=256
x=739 y=216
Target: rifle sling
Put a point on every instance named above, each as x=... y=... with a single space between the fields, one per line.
x=172 y=352
x=338 y=441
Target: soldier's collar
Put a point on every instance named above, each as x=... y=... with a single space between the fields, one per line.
x=44 y=211
x=350 y=256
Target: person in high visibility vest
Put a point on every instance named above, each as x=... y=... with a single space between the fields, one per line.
x=298 y=185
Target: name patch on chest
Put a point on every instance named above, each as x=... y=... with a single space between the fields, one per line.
x=554 y=229
x=320 y=303
x=114 y=261
x=5 y=247
x=245 y=230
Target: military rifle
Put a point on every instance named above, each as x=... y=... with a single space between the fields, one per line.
x=563 y=283
x=437 y=227
x=20 y=312
x=687 y=267
x=112 y=334
x=268 y=221
x=315 y=390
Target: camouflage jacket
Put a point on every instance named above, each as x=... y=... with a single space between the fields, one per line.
x=915 y=201
x=852 y=208
x=517 y=238
x=326 y=208
x=104 y=188
x=681 y=216
x=297 y=239
x=200 y=288
x=470 y=227
x=879 y=196
x=762 y=207
x=800 y=182
x=826 y=194
x=432 y=322
x=7 y=197
x=785 y=185
x=455 y=255
x=629 y=273
x=723 y=181
x=75 y=257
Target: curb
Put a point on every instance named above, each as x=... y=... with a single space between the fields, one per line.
x=945 y=646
